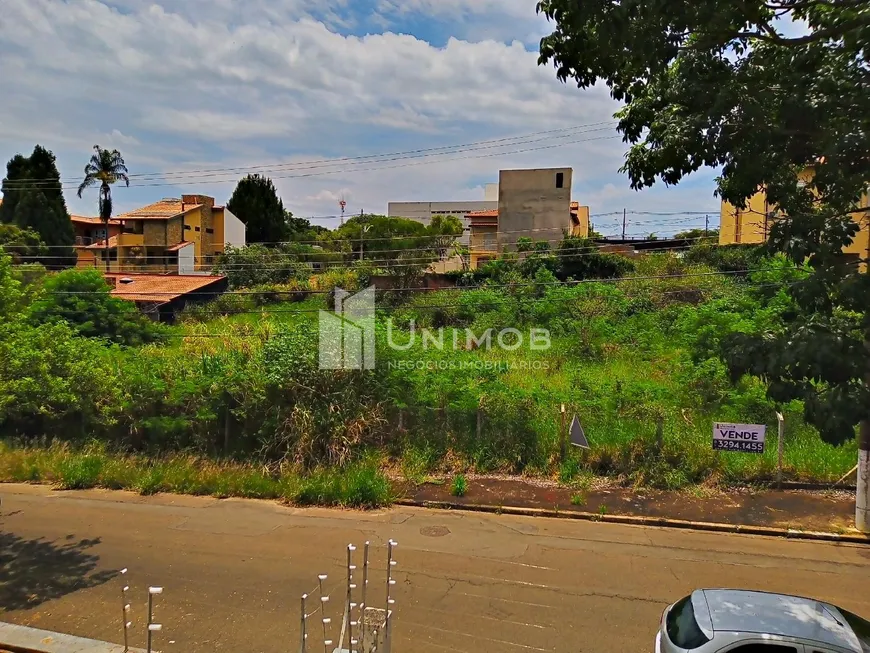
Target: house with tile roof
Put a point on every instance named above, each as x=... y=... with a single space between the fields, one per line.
x=163 y=296
x=174 y=235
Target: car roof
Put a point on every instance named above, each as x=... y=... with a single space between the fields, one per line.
x=779 y=614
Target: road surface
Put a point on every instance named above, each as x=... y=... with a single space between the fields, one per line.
x=234 y=570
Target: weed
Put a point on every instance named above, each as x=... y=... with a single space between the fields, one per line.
x=578 y=499
x=602 y=510
x=459 y=486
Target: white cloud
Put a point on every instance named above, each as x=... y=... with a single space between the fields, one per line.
x=202 y=84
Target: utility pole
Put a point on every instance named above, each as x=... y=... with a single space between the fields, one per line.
x=706 y=225
x=623 y=223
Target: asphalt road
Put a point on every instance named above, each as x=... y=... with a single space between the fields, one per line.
x=233 y=572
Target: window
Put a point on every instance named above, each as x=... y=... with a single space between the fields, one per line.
x=683 y=629
x=861 y=628
x=187 y=227
x=209 y=231
x=196 y=228
x=560 y=180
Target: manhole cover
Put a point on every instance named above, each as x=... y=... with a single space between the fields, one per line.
x=434 y=531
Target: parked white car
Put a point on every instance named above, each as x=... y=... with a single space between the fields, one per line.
x=742 y=621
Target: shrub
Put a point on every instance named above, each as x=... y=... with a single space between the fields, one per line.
x=82 y=299
x=459 y=486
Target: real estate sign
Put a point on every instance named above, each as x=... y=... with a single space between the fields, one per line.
x=748 y=438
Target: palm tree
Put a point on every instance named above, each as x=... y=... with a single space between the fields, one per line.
x=105 y=168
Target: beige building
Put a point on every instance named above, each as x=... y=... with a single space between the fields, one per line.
x=751 y=225
x=533 y=203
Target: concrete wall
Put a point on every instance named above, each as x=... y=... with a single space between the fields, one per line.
x=186 y=263
x=530 y=204
x=233 y=230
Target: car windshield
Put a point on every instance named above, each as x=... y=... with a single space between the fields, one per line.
x=861 y=627
x=683 y=629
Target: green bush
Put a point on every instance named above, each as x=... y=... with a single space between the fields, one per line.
x=82 y=299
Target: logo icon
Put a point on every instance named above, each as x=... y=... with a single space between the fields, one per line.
x=347 y=336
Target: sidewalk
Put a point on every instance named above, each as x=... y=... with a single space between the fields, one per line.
x=805 y=510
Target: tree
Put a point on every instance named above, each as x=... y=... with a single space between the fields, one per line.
x=698 y=234
x=21 y=244
x=256 y=203
x=83 y=300
x=716 y=83
x=579 y=258
x=444 y=230
x=10 y=289
x=301 y=229
x=105 y=168
x=33 y=200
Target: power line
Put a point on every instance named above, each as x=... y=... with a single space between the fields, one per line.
x=416 y=237
x=394 y=262
x=190 y=176
x=570 y=283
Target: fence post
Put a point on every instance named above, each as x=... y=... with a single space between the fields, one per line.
x=563 y=444
x=125 y=607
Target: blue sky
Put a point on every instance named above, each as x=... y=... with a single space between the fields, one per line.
x=293 y=88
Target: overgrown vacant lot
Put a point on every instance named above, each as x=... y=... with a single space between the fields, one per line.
x=239 y=380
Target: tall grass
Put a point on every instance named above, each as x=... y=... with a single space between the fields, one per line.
x=356 y=485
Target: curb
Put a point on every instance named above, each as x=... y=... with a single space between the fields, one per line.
x=662 y=522
x=23 y=639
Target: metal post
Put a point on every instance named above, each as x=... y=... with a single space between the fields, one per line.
x=623 y=223
x=125 y=607
x=303 y=628
x=563 y=445
x=152 y=627
x=324 y=620
x=779 y=448
x=388 y=628
x=706 y=225
x=349 y=605
x=365 y=581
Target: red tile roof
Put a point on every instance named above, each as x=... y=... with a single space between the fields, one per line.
x=491 y=213
x=88 y=220
x=160 y=288
x=101 y=244
x=178 y=246
x=165 y=209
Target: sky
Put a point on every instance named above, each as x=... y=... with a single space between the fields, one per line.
x=332 y=99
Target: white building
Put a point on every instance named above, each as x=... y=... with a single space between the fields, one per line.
x=423 y=212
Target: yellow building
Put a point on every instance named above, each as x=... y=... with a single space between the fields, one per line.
x=579 y=220
x=483 y=242
x=172 y=235
x=751 y=226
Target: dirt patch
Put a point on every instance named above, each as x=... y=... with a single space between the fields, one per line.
x=823 y=511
